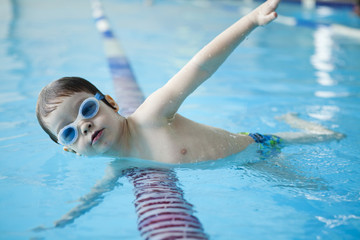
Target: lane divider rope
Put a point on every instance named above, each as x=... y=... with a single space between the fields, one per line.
x=336 y=28
x=163 y=212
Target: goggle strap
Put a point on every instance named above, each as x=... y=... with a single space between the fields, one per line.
x=99 y=96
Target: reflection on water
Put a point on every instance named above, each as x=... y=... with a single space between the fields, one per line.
x=322 y=60
x=330 y=94
x=338 y=220
x=323 y=112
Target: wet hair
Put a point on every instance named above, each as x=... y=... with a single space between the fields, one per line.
x=51 y=96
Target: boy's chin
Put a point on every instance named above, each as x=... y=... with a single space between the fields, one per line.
x=93 y=153
x=89 y=153
x=101 y=151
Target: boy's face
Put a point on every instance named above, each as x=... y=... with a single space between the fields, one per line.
x=97 y=135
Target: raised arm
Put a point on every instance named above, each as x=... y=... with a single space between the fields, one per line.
x=169 y=98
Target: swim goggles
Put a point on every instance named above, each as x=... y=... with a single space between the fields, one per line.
x=88 y=109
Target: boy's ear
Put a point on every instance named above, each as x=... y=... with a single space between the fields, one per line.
x=66 y=149
x=112 y=102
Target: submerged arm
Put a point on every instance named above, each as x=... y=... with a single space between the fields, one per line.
x=94 y=198
x=116 y=169
x=208 y=60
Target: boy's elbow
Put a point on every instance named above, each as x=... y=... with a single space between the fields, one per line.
x=202 y=69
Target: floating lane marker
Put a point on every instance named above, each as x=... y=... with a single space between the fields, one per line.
x=336 y=28
x=163 y=212
x=346 y=31
x=292 y=21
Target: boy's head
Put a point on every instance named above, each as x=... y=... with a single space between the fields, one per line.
x=54 y=94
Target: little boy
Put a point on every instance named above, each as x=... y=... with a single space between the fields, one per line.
x=77 y=115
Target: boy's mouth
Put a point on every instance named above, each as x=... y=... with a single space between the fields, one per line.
x=96 y=135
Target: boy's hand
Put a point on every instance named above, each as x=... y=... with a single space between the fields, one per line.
x=265 y=13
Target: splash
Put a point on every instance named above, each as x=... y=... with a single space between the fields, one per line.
x=337 y=221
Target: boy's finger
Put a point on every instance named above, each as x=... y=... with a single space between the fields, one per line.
x=268 y=18
x=273 y=4
x=271 y=17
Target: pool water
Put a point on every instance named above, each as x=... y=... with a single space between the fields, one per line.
x=310 y=191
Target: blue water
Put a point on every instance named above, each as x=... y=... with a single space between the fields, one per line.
x=308 y=192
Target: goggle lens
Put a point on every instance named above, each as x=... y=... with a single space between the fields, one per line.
x=68 y=135
x=89 y=108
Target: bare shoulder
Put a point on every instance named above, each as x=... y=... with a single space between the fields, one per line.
x=153 y=109
x=147 y=114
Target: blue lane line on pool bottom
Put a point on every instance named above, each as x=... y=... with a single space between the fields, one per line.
x=128 y=92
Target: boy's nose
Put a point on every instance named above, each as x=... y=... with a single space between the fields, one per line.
x=85 y=127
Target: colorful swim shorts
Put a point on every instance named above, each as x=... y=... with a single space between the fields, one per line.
x=269 y=145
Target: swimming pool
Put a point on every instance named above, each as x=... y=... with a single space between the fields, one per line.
x=310 y=191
